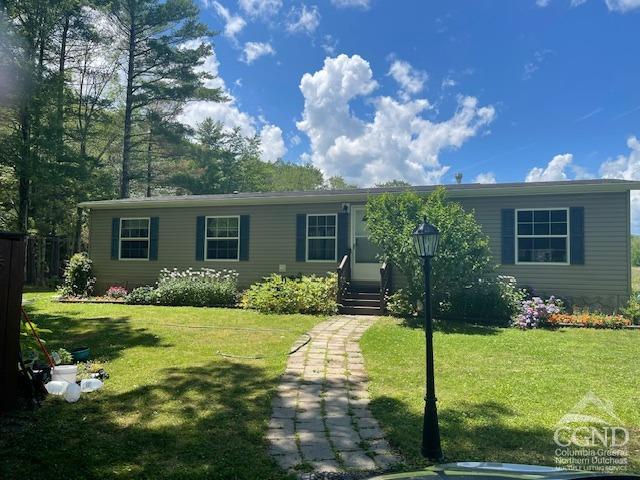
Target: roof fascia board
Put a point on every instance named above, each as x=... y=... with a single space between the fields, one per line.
x=358 y=196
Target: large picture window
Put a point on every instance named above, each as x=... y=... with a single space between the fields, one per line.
x=134 y=238
x=542 y=236
x=222 y=238
x=321 y=237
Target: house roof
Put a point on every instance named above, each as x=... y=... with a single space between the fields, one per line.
x=361 y=194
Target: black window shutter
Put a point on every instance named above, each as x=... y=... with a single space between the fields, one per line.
x=200 y=238
x=343 y=234
x=244 y=237
x=115 y=238
x=153 y=238
x=508 y=236
x=301 y=237
x=576 y=233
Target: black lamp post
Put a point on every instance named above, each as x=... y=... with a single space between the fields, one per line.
x=425 y=242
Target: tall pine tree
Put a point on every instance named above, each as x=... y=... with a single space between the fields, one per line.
x=162 y=44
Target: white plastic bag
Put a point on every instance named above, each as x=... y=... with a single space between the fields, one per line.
x=90 y=384
x=72 y=394
x=57 y=387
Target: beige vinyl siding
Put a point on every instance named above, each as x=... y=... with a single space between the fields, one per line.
x=272 y=242
x=605 y=276
x=604 y=279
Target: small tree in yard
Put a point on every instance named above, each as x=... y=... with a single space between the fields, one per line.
x=463 y=260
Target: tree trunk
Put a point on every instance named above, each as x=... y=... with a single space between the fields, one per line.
x=149 y=160
x=60 y=99
x=128 y=113
x=23 y=171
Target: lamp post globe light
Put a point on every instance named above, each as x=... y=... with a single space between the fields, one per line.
x=425 y=242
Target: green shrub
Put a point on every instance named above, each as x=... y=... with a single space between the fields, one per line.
x=197 y=288
x=399 y=304
x=318 y=294
x=278 y=294
x=494 y=300
x=632 y=310
x=142 y=296
x=464 y=279
x=78 y=277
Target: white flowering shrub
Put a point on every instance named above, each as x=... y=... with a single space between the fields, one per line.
x=78 y=277
x=203 y=287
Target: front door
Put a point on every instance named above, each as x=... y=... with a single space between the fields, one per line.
x=364 y=254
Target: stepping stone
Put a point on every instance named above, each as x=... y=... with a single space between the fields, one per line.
x=358 y=460
x=320 y=450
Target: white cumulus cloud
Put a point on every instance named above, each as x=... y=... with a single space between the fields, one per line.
x=554 y=171
x=304 y=19
x=410 y=79
x=399 y=143
x=622 y=6
x=485 y=177
x=229 y=113
x=351 y=3
x=254 y=50
x=233 y=24
x=260 y=8
x=272 y=143
x=627 y=167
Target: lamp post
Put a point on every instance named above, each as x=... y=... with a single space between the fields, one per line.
x=425 y=243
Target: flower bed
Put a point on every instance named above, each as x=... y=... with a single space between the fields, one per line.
x=584 y=319
x=99 y=299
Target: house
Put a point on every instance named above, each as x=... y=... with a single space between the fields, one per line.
x=568 y=238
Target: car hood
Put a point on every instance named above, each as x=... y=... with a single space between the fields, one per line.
x=499 y=471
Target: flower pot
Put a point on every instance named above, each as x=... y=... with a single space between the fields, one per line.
x=80 y=354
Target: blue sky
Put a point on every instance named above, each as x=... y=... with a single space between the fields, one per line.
x=419 y=90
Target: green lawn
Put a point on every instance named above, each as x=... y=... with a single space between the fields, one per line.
x=172 y=408
x=500 y=391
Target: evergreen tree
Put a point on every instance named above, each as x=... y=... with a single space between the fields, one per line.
x=161 y=42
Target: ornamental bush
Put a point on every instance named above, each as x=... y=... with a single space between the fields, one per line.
x=399 y=304
x=142 y=296
x=489 y=300
x=535 y=312
x=279 y=294
x=463 y=269
x=632 y=310
x=78 y=277
x=205 y=287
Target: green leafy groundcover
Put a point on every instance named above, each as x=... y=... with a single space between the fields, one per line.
x=500 y=391
x=172 y=408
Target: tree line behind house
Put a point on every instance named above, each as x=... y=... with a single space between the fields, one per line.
x=90 y=103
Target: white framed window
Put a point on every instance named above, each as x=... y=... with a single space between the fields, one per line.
x=322 y=238
x=134 y=238
x=222 y=238
x=542 y=236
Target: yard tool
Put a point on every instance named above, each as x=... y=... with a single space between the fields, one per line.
x=27 y=321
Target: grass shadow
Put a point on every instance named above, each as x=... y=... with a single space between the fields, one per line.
x=107 y=337
x=452 y=326
x=470 y=431
x=196 y=422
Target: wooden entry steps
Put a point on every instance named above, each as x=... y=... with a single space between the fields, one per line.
x=361 y=299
